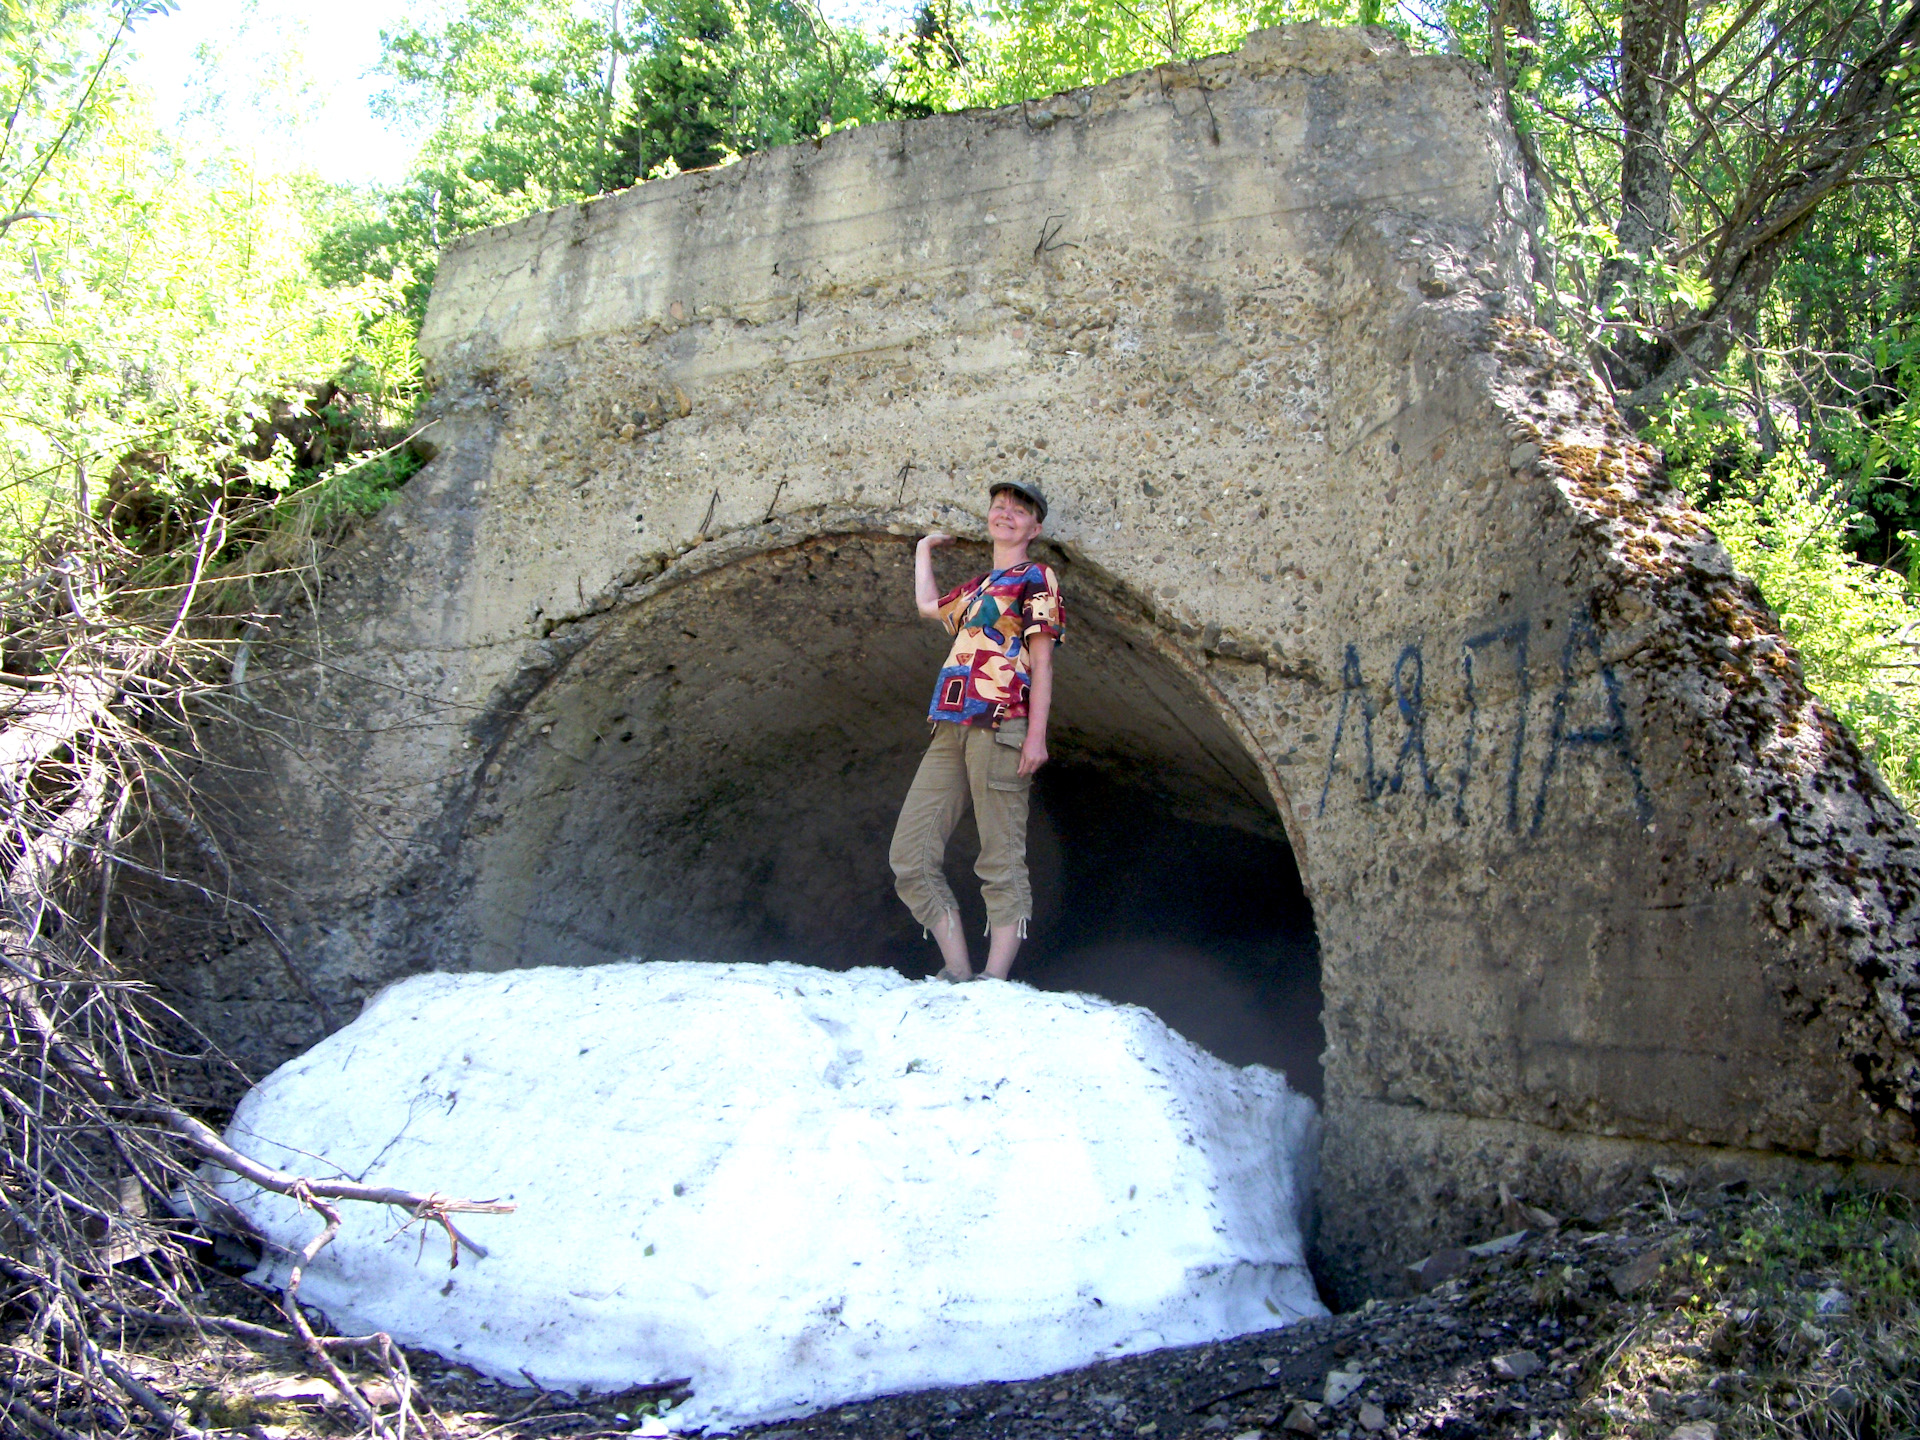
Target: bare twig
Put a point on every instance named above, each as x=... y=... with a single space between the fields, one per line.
x=193 y=582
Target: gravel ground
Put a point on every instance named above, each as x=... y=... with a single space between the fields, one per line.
x=1675 y=1315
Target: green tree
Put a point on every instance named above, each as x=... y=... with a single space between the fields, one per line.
x=515 y=103
x=57 y=83
x=1837 y=354
x=159 y=310
x=519 y=96
x=1726 y=227
x=1680 y=154
x=1000 y=52
x=528 y=104
x=713 y=80
x=1855 y=626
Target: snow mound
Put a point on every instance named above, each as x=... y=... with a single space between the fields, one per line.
x=797 y=1187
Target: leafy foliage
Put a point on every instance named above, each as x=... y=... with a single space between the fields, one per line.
x=520 y=98
x=713 y=80
x=1841 y=351
x=1004 y=51
x=1856 y=626
x=529 y=104
x=154 y=308
x=186 y=401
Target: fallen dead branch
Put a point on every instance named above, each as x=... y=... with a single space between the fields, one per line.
x=224 y=1324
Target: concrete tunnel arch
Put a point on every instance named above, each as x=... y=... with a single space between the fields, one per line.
x=714 y=774
x=1596 y=883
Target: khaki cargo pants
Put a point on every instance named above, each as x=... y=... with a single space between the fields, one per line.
x=966 y=763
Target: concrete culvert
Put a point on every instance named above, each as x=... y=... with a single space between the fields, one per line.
x=1370 y=590
x=715 y=776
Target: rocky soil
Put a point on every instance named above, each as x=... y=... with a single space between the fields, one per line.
x=1677 y=1315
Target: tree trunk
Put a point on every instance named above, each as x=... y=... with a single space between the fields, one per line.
x=1650 y=48
x=1780 y=197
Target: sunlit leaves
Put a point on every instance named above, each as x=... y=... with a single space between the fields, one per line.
x=528 y=104
x=514 y=99
x=155 y=303
x=712 y=80
x=1855 y=625
x=1689 y=287
x=1000 y=51
x=57 y=80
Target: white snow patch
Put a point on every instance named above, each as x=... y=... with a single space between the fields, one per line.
x=796 y=1186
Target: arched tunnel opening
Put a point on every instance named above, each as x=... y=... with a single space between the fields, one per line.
x=716 y=773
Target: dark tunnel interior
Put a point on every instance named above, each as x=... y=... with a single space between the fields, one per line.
x=716 y=776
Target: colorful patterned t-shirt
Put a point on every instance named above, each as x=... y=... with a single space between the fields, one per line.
x=985 y=679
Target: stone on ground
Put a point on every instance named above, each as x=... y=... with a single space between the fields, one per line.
x=794 y=1186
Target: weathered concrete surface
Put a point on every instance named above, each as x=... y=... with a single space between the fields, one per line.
x=1352 y=551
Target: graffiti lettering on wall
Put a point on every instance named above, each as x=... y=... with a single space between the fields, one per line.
x=1485 y=658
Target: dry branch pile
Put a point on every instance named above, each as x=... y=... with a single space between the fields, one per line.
x=107 y=654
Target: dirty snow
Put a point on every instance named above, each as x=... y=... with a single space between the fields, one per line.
x=797 y=1187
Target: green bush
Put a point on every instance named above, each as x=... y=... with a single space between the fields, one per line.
x=1787 y=525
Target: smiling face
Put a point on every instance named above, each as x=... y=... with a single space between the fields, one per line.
x=1012 y=520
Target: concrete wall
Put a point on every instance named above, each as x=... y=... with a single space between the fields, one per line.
x=1595 y=881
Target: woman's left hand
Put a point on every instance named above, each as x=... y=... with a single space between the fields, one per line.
x=1033 y=753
